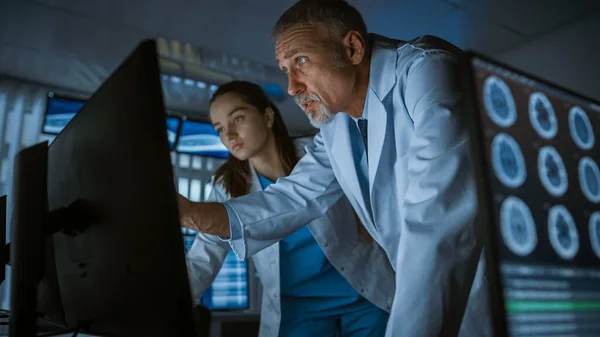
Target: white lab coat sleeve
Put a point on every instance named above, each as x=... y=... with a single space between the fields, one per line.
x=205 y=257
x=265 y=217
x=438 y=251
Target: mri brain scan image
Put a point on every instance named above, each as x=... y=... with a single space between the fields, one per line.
x=499 y=102
x=589 y=179
x=563 y=234
x=552 y=172
x=508 y=161
x=542 y=116
x=581 y=128
x=517 y=226
x=595 y=232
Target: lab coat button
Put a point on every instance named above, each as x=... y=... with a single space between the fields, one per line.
x=362 y=290
x=342 y=269
x=326 y=245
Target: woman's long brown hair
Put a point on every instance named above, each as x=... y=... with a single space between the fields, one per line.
x=234 y=174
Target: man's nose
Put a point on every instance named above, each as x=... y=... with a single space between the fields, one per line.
x=294 y=85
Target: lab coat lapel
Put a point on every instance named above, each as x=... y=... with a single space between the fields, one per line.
x=255 y=184
x=343 y=153
x=382 y=79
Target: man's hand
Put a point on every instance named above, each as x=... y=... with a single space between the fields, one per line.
x=204 y=217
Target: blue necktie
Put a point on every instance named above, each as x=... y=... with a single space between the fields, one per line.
x=362 y=127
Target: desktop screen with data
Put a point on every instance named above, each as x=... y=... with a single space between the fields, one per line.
x=201 y=139
x=229 y=290
x=542 y=155
x=61 y=109
x=59 y=112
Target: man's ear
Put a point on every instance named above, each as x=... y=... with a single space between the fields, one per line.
x=355 y=46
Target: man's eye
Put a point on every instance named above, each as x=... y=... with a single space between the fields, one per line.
x=220 y=130
x=301 y=60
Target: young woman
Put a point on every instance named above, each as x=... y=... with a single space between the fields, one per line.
x=324 y=279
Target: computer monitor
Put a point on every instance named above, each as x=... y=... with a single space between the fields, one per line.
x=197 y=138
x=173 y=124
x=273 y=91
x=61 y=109
x=126 y=274
x=538 y=153
x=59 y=112
x=26 y=247
x=229 y=290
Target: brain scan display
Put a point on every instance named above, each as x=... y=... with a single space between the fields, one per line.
x=537 y=146
x=563 y=234
x=508 y=161
x=581 y=128
x=517 y=226
x=499 y=102
x=595 y=232
x=542 y=116
x=589 y=179
x=552 y=172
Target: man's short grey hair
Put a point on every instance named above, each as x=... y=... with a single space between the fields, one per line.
x=335 y=17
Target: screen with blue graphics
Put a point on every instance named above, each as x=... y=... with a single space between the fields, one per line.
x=201 y=139
x=542 y=157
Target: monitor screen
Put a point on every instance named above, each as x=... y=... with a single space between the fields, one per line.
x=273 y=91
x=201 y=139
x=172 y=129
x=59 y=111
x=541 y=156
x=229 y=290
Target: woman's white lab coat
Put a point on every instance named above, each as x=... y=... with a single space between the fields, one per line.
x=364 y=265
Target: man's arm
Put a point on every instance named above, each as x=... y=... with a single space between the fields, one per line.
x=438 y=250
x=205 y=217
x=260 y=219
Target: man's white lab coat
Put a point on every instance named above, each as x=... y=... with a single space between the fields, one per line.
x=421 y=186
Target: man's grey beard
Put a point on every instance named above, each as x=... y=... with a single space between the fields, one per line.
x=319 y=118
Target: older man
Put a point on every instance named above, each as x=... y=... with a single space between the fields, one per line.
x=393 y=140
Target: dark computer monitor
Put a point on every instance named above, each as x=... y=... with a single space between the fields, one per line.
x=29 y=213
x=125 y=274
x=538 y=151
x=197 y=138
x=59 y=112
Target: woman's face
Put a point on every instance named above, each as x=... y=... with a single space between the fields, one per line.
x=243 y=129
